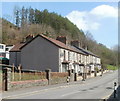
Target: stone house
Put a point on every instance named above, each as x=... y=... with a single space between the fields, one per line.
x=41 y=53
x=92 y=60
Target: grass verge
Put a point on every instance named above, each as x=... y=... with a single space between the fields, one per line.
x=111 y=67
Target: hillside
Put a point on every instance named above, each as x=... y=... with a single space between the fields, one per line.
x=30 y=21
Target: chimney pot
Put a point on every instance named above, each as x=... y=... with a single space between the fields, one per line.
x=62 y=39
x=29 y=37
x=75 y=43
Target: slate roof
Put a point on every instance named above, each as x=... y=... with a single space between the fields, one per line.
x=86 y=51
x=19 y=46
x=78 y=50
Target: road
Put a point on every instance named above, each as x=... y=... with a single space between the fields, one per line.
x=93 y=88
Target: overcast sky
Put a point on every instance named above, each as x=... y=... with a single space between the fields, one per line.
x=99 y=18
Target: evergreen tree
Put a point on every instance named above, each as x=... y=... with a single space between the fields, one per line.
x=31 y=16
x=23 y=17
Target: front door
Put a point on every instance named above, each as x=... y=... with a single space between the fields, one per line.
x=64 y=67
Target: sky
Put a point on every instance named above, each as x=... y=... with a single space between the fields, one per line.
x=99 y=18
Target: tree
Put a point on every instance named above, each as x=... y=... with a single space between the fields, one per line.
x=17 y=16
x=31 y=16
x=34 y=21
x=23 y=17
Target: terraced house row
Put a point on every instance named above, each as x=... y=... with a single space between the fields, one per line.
x=40 y=53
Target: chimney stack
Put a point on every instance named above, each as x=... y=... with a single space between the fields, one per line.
x=86 y=48
x=75 y=43
x=29 y=38
x=62 y=39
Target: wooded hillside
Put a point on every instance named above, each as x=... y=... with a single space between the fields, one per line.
x=33 y=21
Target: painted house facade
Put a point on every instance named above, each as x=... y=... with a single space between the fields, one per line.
x=71 y=60
x=91 y=61
x=4 y=50
x=41 y=53
x=7 y=49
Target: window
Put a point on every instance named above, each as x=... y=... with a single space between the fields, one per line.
x=77 y=57
x=3 y=54
x=7 y=49
x=74 y=56
x=1 y=46
x=64 y=55
x=68 y=56
x=64 y=67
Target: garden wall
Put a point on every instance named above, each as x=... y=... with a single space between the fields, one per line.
x=57 y=78
x=20 y=80
x=28 y=83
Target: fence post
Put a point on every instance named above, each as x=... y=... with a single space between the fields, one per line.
x=48 y=75
x=6 y=78
x=19 y=68
x=69 y=72
x=72 y=75
x=1 y=80
x=75 y=77
x=9 y=77
x=85 y=72
x=13 y=74
x=95 y=72
x=101 y=72
x=83 y=75
x=90 y=70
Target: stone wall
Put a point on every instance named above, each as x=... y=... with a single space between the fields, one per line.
x=51 y=78
x=28 y=83
x=58 y=80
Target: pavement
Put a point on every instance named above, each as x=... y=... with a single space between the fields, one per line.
x=100 y=87
x=115 y=97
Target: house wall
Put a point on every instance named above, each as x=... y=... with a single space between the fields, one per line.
x=98 y=61
x=63 y=56
x=82 y=59
x=94 y=60
x=40 y=54
x=2 y=50
x=2 y=47
x=7 y=52
x=72 y=57
x=15 y=58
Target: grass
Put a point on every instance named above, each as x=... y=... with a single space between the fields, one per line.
x=111 y=67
